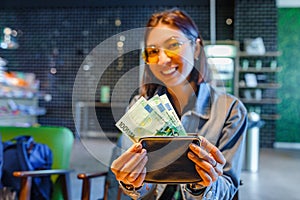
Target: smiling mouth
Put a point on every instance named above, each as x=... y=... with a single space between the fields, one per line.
x=170 y=71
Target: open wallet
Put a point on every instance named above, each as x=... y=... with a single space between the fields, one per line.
x=168 y=161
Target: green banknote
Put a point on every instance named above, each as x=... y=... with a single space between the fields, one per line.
x=141 y=120
x=172 y=114
x=150 y=118
x=157 y=105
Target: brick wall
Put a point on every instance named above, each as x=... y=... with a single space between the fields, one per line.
x=254 y=18
x=61 y=37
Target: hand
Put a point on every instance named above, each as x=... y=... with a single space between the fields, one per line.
x=209 y=161
x=130 y=166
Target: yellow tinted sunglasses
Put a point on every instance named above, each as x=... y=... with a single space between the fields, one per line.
x=171 y=48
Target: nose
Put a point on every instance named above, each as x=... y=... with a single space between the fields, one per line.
x=163 y=58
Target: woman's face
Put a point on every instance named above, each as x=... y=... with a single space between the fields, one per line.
x=175 y=59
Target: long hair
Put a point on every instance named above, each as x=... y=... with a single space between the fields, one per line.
x=182 y=21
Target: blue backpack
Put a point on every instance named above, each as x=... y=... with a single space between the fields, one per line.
x=23 y=154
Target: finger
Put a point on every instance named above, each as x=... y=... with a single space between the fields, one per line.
x=204 y=166
x=127 y=155
x=140 y=179
x=129 y=166
x=122 y=170
x=206 y=179
x=202 y=154
x=138 y=170
x=210 y=148
x=217 y=154
x=219 y=169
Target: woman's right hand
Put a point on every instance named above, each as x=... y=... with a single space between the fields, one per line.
x=130 y=166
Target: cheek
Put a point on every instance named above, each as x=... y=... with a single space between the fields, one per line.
x=154 y=69
x=187 y=62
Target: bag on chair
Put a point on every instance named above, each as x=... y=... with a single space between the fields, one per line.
x=23 y=154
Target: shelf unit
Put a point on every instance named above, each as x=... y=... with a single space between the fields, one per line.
x=9 y=117
x=260 y=95
x=19 y=104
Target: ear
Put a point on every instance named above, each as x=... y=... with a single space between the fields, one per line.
x=197 y=49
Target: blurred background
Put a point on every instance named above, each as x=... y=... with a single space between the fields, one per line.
x=44 y=43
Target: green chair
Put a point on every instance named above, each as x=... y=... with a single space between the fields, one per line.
x=60 y=140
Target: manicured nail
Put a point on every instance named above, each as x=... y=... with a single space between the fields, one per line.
x=138 y=146
x=193 y=146
x=191 y=155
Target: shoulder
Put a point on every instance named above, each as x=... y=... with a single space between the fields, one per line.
x=223 y=98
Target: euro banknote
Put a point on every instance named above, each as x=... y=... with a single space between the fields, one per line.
x=150 y=118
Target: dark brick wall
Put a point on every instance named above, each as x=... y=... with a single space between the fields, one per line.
x=61 y=38
x=255 y=18
x=61 y=35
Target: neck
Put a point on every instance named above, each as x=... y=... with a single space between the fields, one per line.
x=181 y=94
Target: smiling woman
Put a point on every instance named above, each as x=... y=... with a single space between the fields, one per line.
x=176 y=66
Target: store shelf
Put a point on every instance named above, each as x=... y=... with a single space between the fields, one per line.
x=13 y=117
x=267 y=54
x=261 y=96
x=261 y=101
x=262 y=70
x=270 y=117
x=262 y=86
x=17 y=98
x=102 y=105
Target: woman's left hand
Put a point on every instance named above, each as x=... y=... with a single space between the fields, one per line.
x=209 y=161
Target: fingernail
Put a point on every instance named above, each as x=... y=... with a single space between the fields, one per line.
x=191 y=155
x=192 y=146
x=131 y=176
x=138 y=146
x=144 y=151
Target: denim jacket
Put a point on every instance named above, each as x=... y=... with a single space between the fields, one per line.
x=222 y=119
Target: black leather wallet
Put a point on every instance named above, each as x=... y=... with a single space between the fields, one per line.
x=168 y=161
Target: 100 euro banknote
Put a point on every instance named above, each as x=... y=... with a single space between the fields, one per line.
x=150 y=118
x=141 y=120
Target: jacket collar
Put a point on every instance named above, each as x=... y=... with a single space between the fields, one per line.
x=200 y=107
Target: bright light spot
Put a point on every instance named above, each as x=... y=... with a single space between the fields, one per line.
x=7 y=31
x=4 y=45
x=14 y=33
x=122 y=38
x=86 y=67
x=120 y=44
x=53 y=70
x=48 y=97
x=118 y=22
x=228 y=21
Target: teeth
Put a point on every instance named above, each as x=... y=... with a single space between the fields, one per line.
x=169 y=71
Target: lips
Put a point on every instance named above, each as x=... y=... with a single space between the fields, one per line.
x=169 y=71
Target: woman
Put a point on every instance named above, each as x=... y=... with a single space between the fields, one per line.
x=176 y=66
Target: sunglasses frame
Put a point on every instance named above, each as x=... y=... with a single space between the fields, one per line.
x=168 y=52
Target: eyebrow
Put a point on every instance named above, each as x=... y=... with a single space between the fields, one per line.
x=177 y=37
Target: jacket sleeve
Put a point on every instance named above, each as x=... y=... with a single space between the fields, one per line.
x=231 y=144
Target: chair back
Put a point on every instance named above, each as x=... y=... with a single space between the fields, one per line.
x=59 y=139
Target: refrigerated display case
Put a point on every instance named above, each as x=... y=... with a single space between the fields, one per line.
x=222 y=59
